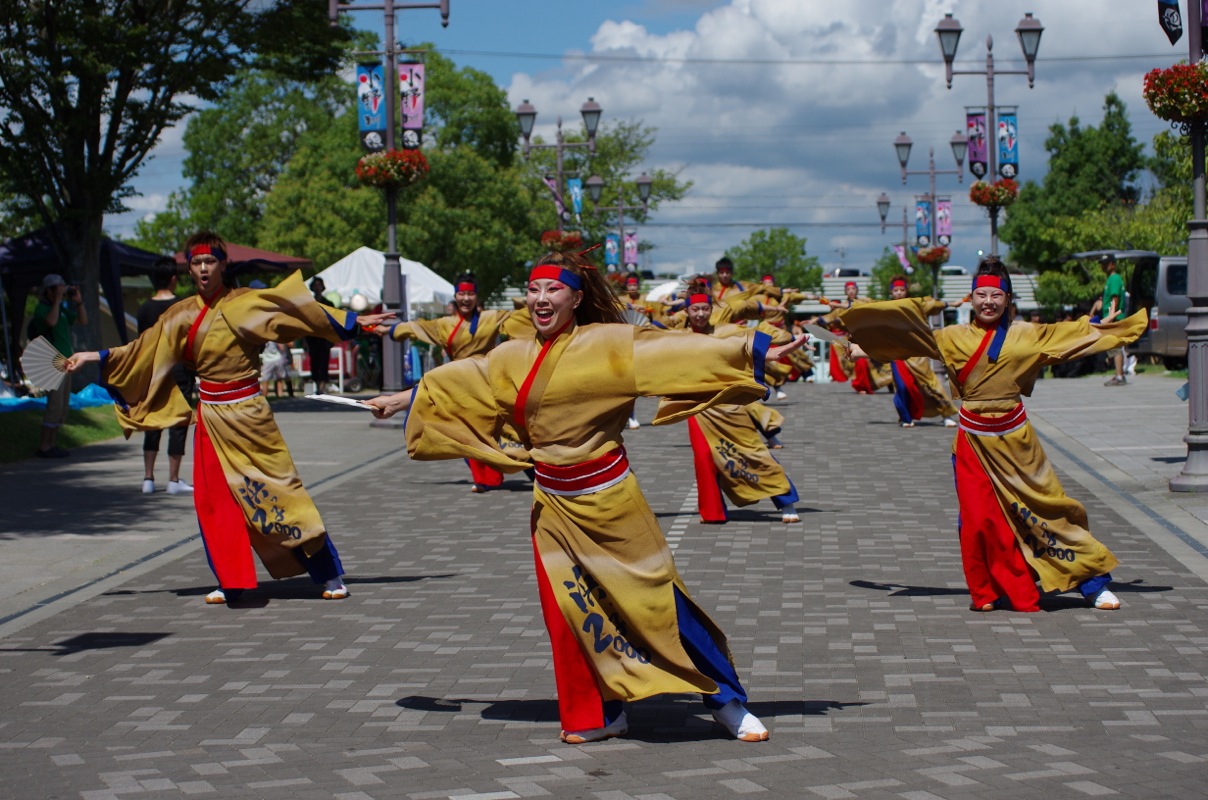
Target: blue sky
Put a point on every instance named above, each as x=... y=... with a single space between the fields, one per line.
x=783 y=112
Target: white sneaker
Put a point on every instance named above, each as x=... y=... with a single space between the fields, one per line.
x=148 y=486
x=633 y=423
x=619 y=727
x=950 y=422
x=1130 y=365
x=1106 y=601
x=781 y=395
x=179 y=487
x=742 y=724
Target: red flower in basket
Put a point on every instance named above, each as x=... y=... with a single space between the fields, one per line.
x=392 y=168
x=1178 y=93
x=562 y=241
x=997 y=195
x=932 y=256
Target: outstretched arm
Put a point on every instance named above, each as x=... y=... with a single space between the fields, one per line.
x=386 y=406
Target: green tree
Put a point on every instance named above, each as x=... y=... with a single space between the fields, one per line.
x=887 y=267
x=87 y=88
x=778 y=253
x=1090 y=169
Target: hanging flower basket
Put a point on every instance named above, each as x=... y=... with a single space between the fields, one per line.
x=392 y=168
x=1178 y=93
x=932 y=256
x=994 y=195
x=562 y=241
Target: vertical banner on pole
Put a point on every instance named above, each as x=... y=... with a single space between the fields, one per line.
x=1008 y=142
x=574 y=186
x=411 y=103
x=975 y=130
x=943 y=222
x=902 y=259
x=551 y=183
x=371 y=107
x=612 y=250
x=631 y=250
x=922 y=222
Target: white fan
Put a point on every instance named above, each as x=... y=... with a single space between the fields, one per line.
x=45 y=366
x=635 y=316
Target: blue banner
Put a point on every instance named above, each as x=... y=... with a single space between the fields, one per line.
x=574 y=186
x=1008 y=144
x=612 y=250
x=922 y=222
x=371 y=107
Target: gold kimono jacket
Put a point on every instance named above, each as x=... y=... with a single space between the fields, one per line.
x=746 y=470
x=458 y=337
x=578 y=401
x=226 y=349
x=1049 y=526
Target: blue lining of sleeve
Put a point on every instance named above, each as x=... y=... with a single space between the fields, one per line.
x=348 y=330
x=759 y=346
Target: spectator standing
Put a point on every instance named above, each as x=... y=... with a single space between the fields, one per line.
x=163 y=281
x=318 y=348
x=1113 y=309
x=59 y=308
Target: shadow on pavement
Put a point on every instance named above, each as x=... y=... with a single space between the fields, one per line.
x=92 y=641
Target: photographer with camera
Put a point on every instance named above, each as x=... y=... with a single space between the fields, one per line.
x=59 y=307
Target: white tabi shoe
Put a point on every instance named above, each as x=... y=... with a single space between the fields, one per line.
x=335 y=589
x=633 y=424
x=216 y=597
x=950 y=422
x=781 y=395
x=1106 y=601
x=619 y=727
x=741 y=723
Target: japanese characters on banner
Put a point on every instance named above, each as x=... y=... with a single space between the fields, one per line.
x=902 y=259
x=371 y=107
x=574 y=187
x=1008 y=143
x=943 y=222
x=922 y=222
x=975 y=130
x=612 y=250
x=411 y=103
x=631 y=249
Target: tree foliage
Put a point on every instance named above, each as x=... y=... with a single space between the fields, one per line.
x=887 y=267
x=779 y=253
x=87 y=88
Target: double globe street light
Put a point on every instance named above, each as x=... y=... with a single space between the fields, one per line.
x=595 y=188
x=526 y=115
x=902 y=145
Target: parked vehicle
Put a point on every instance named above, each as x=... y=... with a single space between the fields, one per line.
x=1159 y=285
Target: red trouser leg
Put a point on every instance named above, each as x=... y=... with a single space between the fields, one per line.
x=484 y=474
x=709 y=501
x=861 y=379
x=223 y=525
x=580 y=704
x=836 y=368
x=994 y=565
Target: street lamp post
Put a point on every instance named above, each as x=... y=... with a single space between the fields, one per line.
x=949 y=33
x=394 y=288
x=959 y=144
x=1194 y=475
x=526 y=115
x=595 y=188
x=883 y=210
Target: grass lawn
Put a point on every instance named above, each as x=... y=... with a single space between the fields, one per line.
x=22 y=430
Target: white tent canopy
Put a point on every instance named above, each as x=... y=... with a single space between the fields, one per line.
x=361 y=272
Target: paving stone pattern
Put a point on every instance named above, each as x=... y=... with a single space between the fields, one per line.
x=852 y=631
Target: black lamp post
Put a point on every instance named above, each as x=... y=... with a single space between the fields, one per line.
x=394 y=289
x=1028 y=30
x=883 y=210
x=595 y=189
x=526 y=115
x=959 y=144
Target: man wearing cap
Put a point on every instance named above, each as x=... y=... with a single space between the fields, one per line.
x=1113 y=309
x=59 y=307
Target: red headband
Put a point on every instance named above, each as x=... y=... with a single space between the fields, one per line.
x=206 y=250
x=467 y=287
x=898 y=282
x=554 y=272
x=990 y=282
x=850 y=283
x=632 y=282
x=768 y=278
x=693 y=299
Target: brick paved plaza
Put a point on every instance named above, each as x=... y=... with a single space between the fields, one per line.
x=851 y=630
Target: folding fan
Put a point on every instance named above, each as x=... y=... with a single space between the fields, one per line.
x=44 y=366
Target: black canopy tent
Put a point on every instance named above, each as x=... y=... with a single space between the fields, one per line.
x=26 y=260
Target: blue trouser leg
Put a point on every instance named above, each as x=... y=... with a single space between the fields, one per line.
x=1092 y=587
x=323 y=565
x=707 y=656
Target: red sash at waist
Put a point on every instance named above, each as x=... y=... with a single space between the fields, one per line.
x=979 y=425
x=219 y=394
x=590 y=476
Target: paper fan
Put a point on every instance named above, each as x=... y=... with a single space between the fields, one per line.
x=45 y=366
x=635 y=316
x=818 y=332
